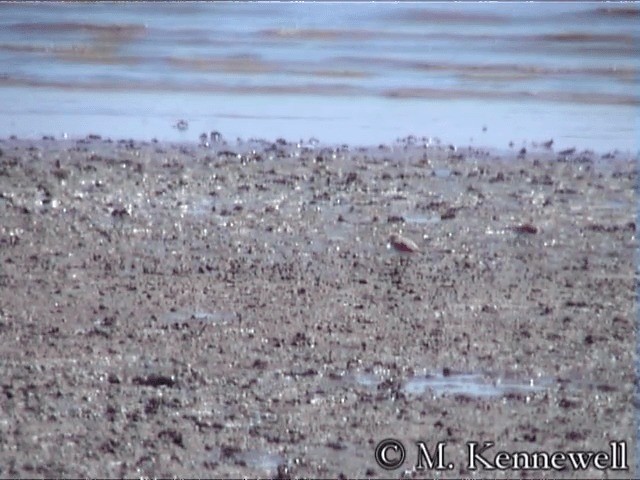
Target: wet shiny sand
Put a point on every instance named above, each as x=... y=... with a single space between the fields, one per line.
x=236 y=311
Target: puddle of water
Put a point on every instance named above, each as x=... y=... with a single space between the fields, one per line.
x=369 y=380
x=470 y=384
x=255 y=459
x=338 y=231
x=201 y=207
x=442 y=172
x=261 y=460
x=218 y=317
x=617 y=205
x=421 y=219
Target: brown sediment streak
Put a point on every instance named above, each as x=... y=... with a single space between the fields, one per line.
x=585 y=37
x=331 y=35
x=334 y=73
x=79 y=27
x=103 y=54
x=623 y=72
x=524 y=72
x=309 y=89
x=319 y=34
x=585 y=49
x=95 y=54
x=76 y=49
x=104 y=57
x=331 y=90
x=626 y=11
x=443 y=16
x=248 y=64
x=527 y=69
x=326 y=34
x=7 y=47
x=337 y=89
x=564 y=97
x=252 y=64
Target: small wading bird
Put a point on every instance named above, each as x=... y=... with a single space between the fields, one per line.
x=402 y=244
x=405 y=247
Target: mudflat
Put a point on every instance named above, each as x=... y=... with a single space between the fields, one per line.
x=235 y=310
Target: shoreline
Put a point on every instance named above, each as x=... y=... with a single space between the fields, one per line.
x=527 y=149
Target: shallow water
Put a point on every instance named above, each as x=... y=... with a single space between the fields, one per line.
x=364 y=73
x=474 y=385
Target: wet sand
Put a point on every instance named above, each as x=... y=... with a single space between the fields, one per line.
x=235 y=310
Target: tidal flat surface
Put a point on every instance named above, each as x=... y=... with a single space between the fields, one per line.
x=234 y=309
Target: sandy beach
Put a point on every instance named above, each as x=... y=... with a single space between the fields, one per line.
x=235 y=310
